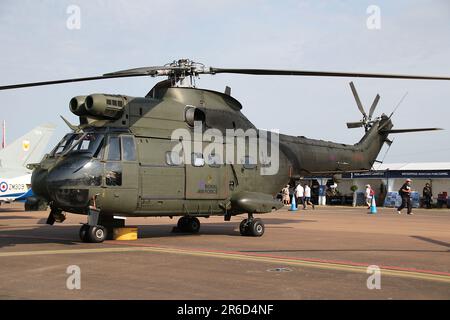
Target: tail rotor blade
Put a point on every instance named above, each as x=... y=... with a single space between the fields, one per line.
x=358 y=101
x=374 y=105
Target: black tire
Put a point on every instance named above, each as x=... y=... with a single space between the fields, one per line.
x=243 y=227
x=193 y=225
x=256 y=228
x=188 y=224
x=96 y=234
x=182 y=224
x=83 y=232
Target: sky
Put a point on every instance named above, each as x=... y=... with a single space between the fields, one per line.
x=410 y=37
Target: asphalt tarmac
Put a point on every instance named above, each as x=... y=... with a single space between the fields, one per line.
x=306 y=254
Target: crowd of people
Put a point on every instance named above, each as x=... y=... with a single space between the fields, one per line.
x=302 y=194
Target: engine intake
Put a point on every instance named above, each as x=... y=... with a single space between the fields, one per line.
x=77 y=105
x=193 y=114
x=105 y=105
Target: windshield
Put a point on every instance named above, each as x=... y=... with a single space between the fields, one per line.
x=87 y=143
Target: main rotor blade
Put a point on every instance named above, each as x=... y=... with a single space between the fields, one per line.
x=410 y=130
x=374 y=105
x=358 y=101
x=45 y=83
x=272 y=72
x=147 y=71
x=352 y=125
x=191 y=69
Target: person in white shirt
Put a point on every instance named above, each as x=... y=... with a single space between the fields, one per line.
x=307 y=197
x=300 y=194
x=368 y=195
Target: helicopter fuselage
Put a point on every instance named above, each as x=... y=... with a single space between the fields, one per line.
x=141 y=157
x=190 y=152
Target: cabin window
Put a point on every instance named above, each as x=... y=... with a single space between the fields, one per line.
x=128 y=149
x=173 y=158
x=114 y=149
x=197 y=160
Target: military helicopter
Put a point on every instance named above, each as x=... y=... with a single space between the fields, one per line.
x=123 y=158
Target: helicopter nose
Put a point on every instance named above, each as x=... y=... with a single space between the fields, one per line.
x=71 y=181
x=39 y=183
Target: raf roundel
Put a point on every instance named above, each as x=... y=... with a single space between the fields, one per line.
x=3 y=186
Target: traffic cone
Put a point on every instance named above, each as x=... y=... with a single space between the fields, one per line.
x=293 y=204
x=373 y=206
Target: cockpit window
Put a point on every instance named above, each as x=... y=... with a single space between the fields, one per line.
x=63 y=145
x=114 y=149
x=86 y=143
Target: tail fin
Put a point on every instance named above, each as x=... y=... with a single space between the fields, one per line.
x=373 y=141
x=27 y=149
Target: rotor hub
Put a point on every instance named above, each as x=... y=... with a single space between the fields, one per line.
x=183 y=72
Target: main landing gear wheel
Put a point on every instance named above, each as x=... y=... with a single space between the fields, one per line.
x=252 y=227
x=83 y=232
x=93 y=234
x=188 y=224
x=256 y=228
x=243 y=227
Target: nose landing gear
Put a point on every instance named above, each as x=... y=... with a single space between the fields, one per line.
x=92 y=231
x=93 y=234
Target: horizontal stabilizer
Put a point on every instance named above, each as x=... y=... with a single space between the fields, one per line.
x=410 y=130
